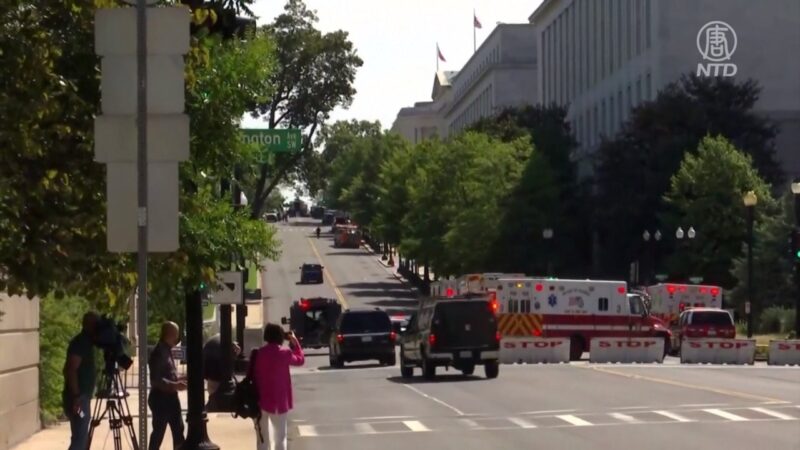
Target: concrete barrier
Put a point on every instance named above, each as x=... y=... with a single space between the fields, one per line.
x=534 y=350
x=626 y=350
x=718 y=351
x=784 y=353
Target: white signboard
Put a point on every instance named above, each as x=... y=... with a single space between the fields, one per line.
x=230 y=289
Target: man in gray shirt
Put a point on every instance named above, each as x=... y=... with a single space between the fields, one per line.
x=165 y=384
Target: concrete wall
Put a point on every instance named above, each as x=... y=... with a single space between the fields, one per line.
x=19 y=369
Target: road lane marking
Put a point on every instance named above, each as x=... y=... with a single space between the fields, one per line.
x=698 y=405
x=673 y=416
x=430 y=397
x=573 y=420
x=469 y=422
x=726 y=415
x=364 y=428
x=307 y=430
x=415 y=425
x=328 y=276
x=686 y=385
x=775 y=414
x=383 y=418
x=624 y=417
x=551 y=411
x=521 y=422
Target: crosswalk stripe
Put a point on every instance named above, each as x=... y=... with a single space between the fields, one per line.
x=364 y=428
x=415 y=425
x=470 y=423
x=624 y=417
x=573 y=420
x=521 y=422
x=772 y=413
x=726 y=415
x=673 y=416
x=307 y=430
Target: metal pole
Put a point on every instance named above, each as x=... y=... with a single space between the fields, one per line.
x=141 y=172
x=750 y=220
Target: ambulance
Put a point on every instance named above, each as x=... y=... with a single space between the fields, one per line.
x=475 y=283
x=669 y=300
x=578 y=310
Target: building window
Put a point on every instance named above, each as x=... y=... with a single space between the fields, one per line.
x=638 y=14
x=602 y=38
x=620 y=26
x=647 y=24
x=611 y=62
x=628 y=8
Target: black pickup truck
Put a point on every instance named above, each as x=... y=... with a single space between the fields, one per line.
x=313 y=320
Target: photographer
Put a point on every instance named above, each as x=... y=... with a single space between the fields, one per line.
x=163 y=400
x=79 y=380
x=274 y=384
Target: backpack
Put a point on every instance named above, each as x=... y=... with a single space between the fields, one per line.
x=245 y=396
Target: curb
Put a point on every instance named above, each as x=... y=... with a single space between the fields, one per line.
x=389 y=269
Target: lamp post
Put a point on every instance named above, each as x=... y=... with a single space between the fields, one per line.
x=796 y=257
x=547 y=234
x=680 y=235
x=656 y=239
x=750 y=200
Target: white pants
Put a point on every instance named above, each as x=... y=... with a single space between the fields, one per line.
x=273 y=431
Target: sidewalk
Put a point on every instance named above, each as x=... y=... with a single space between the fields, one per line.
x=223 y=430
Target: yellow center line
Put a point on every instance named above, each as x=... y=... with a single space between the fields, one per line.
x=687 y=385
x=328 y=276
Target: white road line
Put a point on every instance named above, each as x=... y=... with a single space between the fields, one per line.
x=726 y=415
x=698 y=405
x=633 y=407
x=673 y=416
x=364 y=428
x=430 y=397
x=415 y=425
x=624 y=417
x=521 y=422
x=307 y=430
x=383 y=417
x=775 y=414
x=551 y=411
x=470 y=423
x=577 y=421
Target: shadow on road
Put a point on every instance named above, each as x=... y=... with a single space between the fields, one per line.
x=353 y=367
x=448 y=378
x=346 y=253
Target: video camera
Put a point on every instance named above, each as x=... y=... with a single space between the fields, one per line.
x=109 y=338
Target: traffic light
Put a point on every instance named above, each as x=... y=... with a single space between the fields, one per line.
x=795 y=245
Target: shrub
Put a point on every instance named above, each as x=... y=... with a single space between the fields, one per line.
x=776 y=320
x=60 y=321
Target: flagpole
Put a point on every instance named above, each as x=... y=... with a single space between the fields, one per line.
x=437 y=57
x=474 y=39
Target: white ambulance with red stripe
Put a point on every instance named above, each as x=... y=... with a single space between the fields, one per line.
x=578 y=310
x=669 y=300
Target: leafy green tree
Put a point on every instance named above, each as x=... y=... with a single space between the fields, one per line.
x=706 y=193
x=773 y=266
x=345 y=145
x=393 y=192
x=314 y=74
x=633 y=169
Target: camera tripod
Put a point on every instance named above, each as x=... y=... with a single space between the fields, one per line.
x=112 y=390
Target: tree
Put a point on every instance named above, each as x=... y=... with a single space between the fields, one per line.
x=633 y=169
x=567 y=211
x=772 y=262
x=315 y=73
x=337 y=141
x=706 y=192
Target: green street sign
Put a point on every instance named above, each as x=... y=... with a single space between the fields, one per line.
x=279 y=140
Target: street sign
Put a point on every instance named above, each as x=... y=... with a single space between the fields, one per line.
x=230 y=290
x=277 y=140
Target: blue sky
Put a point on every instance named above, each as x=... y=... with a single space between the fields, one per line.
x=397 y=41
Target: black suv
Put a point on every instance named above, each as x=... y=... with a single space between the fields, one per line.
x=460 y=332
x=311 y=273
x=360 y=335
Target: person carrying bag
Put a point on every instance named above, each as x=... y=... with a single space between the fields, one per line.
x=273 y=384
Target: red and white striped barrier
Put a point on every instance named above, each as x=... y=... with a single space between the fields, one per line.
x=534 y=350
x=718 y=351
x=626 y=350
x=784 y=353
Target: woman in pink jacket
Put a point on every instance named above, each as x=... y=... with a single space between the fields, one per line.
x=274 y=384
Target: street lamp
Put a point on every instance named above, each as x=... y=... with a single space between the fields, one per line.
x=750 y=199
x=656 y=238
x=547 y=235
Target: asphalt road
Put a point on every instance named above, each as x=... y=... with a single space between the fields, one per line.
x=574 y=406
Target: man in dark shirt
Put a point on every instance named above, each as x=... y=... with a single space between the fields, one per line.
x=79 y=379
x=164 y=387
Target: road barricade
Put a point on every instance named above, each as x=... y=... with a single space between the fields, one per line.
x=784 y=353
x=626 y=350
x=718 y=351
x=534 y=350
